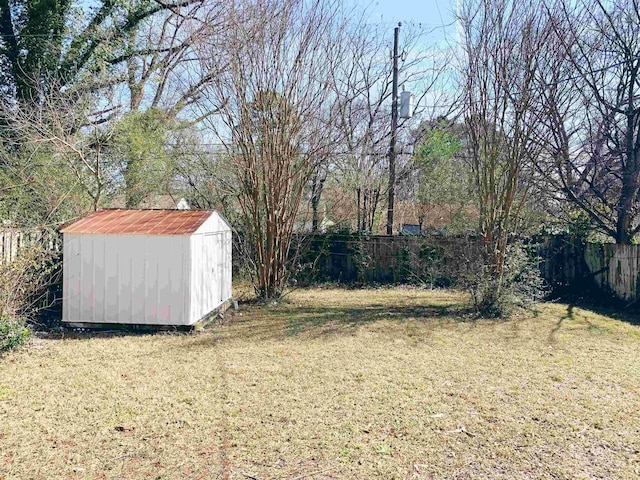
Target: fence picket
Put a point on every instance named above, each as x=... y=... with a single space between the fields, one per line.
x=13 y=240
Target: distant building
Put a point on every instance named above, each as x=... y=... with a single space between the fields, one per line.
x=158 y=202
x=409 y=229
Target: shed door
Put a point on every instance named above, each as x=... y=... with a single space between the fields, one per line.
x=215 y=254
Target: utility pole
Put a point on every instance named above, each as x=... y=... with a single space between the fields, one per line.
x=394 y=127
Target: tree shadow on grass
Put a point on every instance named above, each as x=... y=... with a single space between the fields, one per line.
x=114 y=331
x=631 y=317
x=313 y=322
x=556 y=328
x=264 y=321
x=601 y=303
x=324 y=321
x=568 y=316
x=619 y=314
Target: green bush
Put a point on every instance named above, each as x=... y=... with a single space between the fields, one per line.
x=433 y=262
x=402 y=271
x=12 y=333
x=335 y=256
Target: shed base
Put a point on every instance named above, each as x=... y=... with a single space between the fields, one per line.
x=210 y=317
x=129 y=327
x=141 y=327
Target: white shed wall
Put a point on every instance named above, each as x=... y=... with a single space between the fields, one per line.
x=215 y=223
x=210 y=272
x=227 y=274
x=134 y=279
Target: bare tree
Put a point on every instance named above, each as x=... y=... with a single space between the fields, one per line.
x=59 y=138
x=589 y=112
x=273 y=119
x=67 y=42
x=502 y=41
x=157 y=61
x=363 y=89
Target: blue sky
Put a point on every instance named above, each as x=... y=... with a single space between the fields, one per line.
x=431 y=14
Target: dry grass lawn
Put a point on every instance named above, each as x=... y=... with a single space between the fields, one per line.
x=331 y=384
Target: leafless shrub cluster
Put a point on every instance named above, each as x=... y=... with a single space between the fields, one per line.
x=24 y=285
x=502 y=42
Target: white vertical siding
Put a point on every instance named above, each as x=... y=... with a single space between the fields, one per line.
x=195 y=280
x=125 y=267
x=218 y=241
x=109 y=248
x=147 y=279
x=150 y=281
x=203 y=298
x=168 y=259
x=228 y=265
x=137 y=273
x=72 y=278
x=132 y=279
x=210 y=272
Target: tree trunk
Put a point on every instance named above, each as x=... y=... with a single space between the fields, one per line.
x=624 y=224
x=317 y=185
x=629 y=193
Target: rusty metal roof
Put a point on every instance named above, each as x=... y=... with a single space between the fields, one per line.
x=140 y=222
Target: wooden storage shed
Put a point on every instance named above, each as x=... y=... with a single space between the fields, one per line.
x=145 y=267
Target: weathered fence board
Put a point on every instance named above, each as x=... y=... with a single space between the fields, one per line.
x=10 y=243
x=615 y=268
x=349 y=258
x=13 y=240
x=562 y=262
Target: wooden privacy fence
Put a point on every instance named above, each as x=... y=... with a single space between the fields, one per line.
x=354 y=258
x=562 y=262
x=565 y=263
x=435 y=260
x=13 y=240
x=613 y=269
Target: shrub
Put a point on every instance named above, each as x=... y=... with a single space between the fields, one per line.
x=334 y=256
x=12 y=333
x=402 y=269
x=521 y=284
x=22 y=281
x=451 y=261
